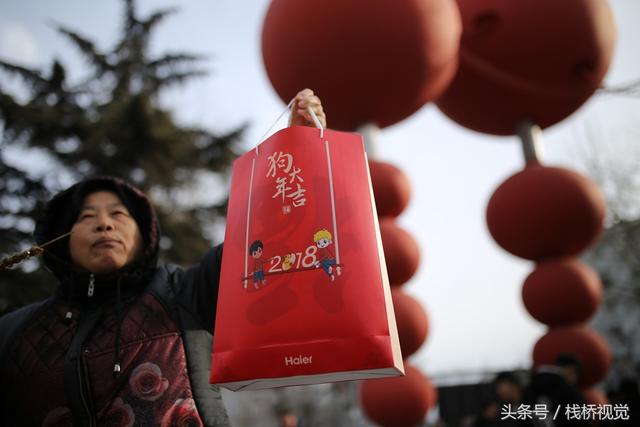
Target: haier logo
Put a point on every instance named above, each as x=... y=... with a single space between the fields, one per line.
x=298 y=360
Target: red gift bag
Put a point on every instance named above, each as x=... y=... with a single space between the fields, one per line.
x=304 y=295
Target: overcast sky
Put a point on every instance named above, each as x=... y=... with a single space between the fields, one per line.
x=469 y=287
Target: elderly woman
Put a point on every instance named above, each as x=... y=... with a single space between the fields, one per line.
x=124 y=341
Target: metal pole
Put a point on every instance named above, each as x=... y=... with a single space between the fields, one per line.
x=370 y=132
x=530 y=136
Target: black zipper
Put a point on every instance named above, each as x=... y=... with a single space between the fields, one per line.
x=76 y=383
x=92 y=285
x=83 y=394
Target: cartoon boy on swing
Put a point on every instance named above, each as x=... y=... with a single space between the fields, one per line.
x=258 y=263
x=322 y=239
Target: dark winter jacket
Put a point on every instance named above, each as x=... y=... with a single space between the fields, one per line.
x=57 y=357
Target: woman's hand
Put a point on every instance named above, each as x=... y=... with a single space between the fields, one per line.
x=300 y=115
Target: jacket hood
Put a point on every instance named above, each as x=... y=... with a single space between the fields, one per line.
x=62 y=212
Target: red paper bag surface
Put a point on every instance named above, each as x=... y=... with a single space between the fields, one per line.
x=304 y=295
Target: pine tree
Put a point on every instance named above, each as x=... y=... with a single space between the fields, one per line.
x=109 y=123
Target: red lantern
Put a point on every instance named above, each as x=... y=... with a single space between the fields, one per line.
x=546 y=212
x=528 y=59
x=562 y=291
x=433 y=394
x=585 y=344
x=594 y=396
x=401 y=252
x=391 y=188
x=412 y=321
x=369 y=60
x=399 y=401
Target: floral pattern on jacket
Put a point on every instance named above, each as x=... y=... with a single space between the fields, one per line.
x=143 y=394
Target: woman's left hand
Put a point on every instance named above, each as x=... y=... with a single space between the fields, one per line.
x=300 y=115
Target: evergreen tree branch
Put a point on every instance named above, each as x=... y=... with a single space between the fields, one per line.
x=629 y=89
x=155 y=18
x=109 y=124
x=157 y=83
x=32 y=77
x=87 y=48
x=173 y=61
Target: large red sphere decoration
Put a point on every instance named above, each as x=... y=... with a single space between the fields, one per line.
x=594 y=396
x=391 y=188
x=562 y=291
x=369 y=60
x=583 y=343
x=412 y=321
x=401 y=252
x=528 y=59
x=399 y=401
x=433 y=393
x=544 y=212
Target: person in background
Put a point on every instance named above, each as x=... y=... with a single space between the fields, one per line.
x=627 y=395
x=506 y=395
x=123 y=341
x=286 y=416
x=554 y=386
x=508 y=388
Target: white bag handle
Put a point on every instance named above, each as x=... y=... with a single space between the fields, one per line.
x=314 y=117
x=316 y=121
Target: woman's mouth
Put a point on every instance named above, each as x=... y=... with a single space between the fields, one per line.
x=105 y=242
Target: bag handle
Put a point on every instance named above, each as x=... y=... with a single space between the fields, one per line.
x=316 y=121
x=314 y=117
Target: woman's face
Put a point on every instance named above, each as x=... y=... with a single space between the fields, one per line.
x=105 y=237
